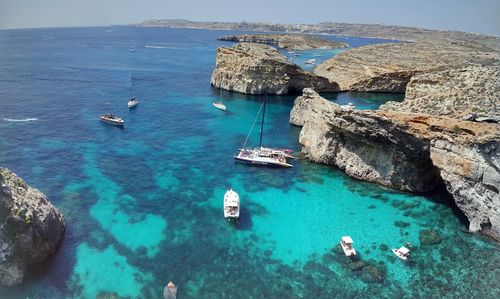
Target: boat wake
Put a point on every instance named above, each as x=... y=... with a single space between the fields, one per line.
x=159 y=47
x=20 y=119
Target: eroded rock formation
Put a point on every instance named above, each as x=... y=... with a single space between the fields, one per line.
x=255 y=68
x=408 y=151
x=389 y=67
x=468 y=92
x=31 y=228
x=285 y=41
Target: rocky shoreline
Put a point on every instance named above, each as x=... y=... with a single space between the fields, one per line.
x=31 y=228
x=408 y=151
x=285 y=41
x=256 y=69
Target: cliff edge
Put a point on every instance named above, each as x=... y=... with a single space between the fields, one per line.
x=408 y=151
x=256 y=69
x=31 y=228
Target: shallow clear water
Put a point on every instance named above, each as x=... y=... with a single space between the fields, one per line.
x=143 y=204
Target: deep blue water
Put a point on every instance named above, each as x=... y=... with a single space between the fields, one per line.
x=143 y=204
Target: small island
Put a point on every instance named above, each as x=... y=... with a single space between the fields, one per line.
x=286 y=41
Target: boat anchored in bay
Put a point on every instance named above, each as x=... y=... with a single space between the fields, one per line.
x=231 y=205
x=218 y=104
x=112 y=119
x=132 y=103
x=263 y=156
x=346 y=243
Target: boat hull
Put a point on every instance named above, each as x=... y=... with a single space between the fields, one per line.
x=399 y=254
x=114 y=123
x=219 y=106
x=262 y=163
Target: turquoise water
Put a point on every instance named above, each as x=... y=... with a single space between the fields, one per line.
x=143 y=204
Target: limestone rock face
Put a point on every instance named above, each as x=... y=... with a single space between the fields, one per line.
x=31 y=228
x=469 y=92
x=389 y=67
x=255 y=68
x=364 y=144
x=471 y=175
x=285 y=41
x=408 y=151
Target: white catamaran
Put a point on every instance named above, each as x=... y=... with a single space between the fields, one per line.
x=261 y=155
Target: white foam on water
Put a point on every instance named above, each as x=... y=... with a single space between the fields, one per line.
x=159 y=47
x=20 y=119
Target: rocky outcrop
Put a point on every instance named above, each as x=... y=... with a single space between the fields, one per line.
x=389 y=67
x=285 y=41
x=31 y=228
x=408 y=151
x=255 y=68
x=469 y=92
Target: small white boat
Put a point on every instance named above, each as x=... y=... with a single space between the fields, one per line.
x=310 y=61
x=132 y=103
x=346 y=243
x=219 y=105
x=170 y=291
x=231 y=205
x=112 y=119
x=403 y=253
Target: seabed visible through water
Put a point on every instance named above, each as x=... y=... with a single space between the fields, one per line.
x=143 y=204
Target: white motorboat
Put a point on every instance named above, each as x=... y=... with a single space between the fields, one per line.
x=112 y=119
x=132 y=103
x=310 y=61
x=219 y=105
x=263 y=156
x=346 y=243
x=170 y=291
x=403 y=253
x=231 y=205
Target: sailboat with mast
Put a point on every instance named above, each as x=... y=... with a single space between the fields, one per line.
x=218 y=104
x=263 y=156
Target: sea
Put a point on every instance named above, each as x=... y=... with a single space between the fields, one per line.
x=143 y=204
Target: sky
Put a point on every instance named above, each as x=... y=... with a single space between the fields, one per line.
x=478 y=16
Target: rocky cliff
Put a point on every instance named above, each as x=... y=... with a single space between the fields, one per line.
x=285 y=41
x=468 y=92
x=408 y=151
x=389 y=67
x=255 y=68
x=31 y=228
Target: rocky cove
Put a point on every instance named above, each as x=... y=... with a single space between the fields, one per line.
x=433 y=138
x=408 y=151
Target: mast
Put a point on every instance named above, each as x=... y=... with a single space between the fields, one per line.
x=262 y=125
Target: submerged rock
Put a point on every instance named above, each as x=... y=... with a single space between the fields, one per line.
x=373 y=273
x=429 y=237
x=256 y=69
x=407 y=151
x=31 y=228
x=286 y=41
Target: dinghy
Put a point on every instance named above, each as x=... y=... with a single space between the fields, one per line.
x=403 y=253
x=346 y=243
